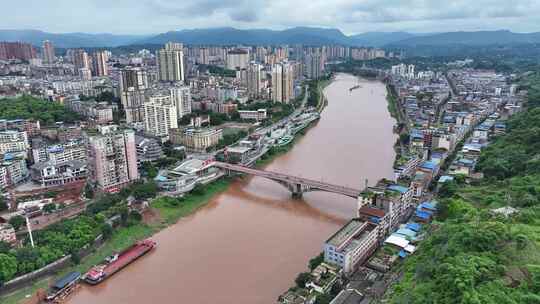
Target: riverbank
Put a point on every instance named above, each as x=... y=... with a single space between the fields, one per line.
x=323 y=102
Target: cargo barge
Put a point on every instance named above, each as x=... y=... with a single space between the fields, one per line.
x=63 y=287
x=116 y=262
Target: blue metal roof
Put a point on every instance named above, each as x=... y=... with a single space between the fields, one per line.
x=431 y=165
x=398 y=188
x=423 y=214
x=414 y=226
x=428 y=206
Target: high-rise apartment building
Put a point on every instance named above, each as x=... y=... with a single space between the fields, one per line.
x=48 y=52
x=237 y=59
x=100 y=63
x=133 y=86
x=160 y=116
x=282 y=82
x=17 y=50
x=204 y=56
x=112 y=159
x=181 y=98
x=314 y=65
x=170 y=61
x=254 y=79
x=80 y=59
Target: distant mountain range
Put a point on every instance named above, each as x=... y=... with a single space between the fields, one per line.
x=296 y=35
x=69 y=40
x=481 y=38
x=228 y=35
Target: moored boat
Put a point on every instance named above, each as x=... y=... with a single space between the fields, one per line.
x=63 y=287
x=116 y=262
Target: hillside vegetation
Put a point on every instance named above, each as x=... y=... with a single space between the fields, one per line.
x=28 y=107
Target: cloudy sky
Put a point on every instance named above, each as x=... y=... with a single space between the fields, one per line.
x=351 y=16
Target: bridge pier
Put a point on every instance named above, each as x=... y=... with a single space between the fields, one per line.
x=297 y=191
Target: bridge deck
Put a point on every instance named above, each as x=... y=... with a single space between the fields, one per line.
x=291 y=179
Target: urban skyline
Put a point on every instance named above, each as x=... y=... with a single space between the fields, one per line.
x=268 y=156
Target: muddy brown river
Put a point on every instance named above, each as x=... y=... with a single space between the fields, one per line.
x=249 y=243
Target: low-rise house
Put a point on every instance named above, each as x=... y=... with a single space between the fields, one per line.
x=148 y=149
x=324 y=277
x=7 y=234
x=420 y=183
x=49 y=173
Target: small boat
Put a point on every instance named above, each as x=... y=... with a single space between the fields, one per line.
x=116 y=262
x=285 y=140
x=63 y=287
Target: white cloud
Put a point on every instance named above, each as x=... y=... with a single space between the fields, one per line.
x=351 y=16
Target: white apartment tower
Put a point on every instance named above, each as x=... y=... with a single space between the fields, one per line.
x=160 y=116
x=181 y=98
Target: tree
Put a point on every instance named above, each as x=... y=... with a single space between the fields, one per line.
x=404 y=138
x=316 y=261
x=88 y=191
x=521 y=241
x=106 y=230
x=5 y=247
x=49 y=208
x=17 y=221
x=324 y=299
x=448 y=189
x=198 y=190
x=3 y=204
x=302 y=279
x=134 y=218
x=8 y=267
x=75 y=257
x=145 y=191
x=150 y=169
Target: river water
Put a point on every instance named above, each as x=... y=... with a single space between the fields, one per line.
x=249 y=243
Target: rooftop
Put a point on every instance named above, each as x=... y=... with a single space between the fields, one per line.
x=348 y=296
x=346 y=232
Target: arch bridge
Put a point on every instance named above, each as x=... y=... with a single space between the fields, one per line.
x=296 y=185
